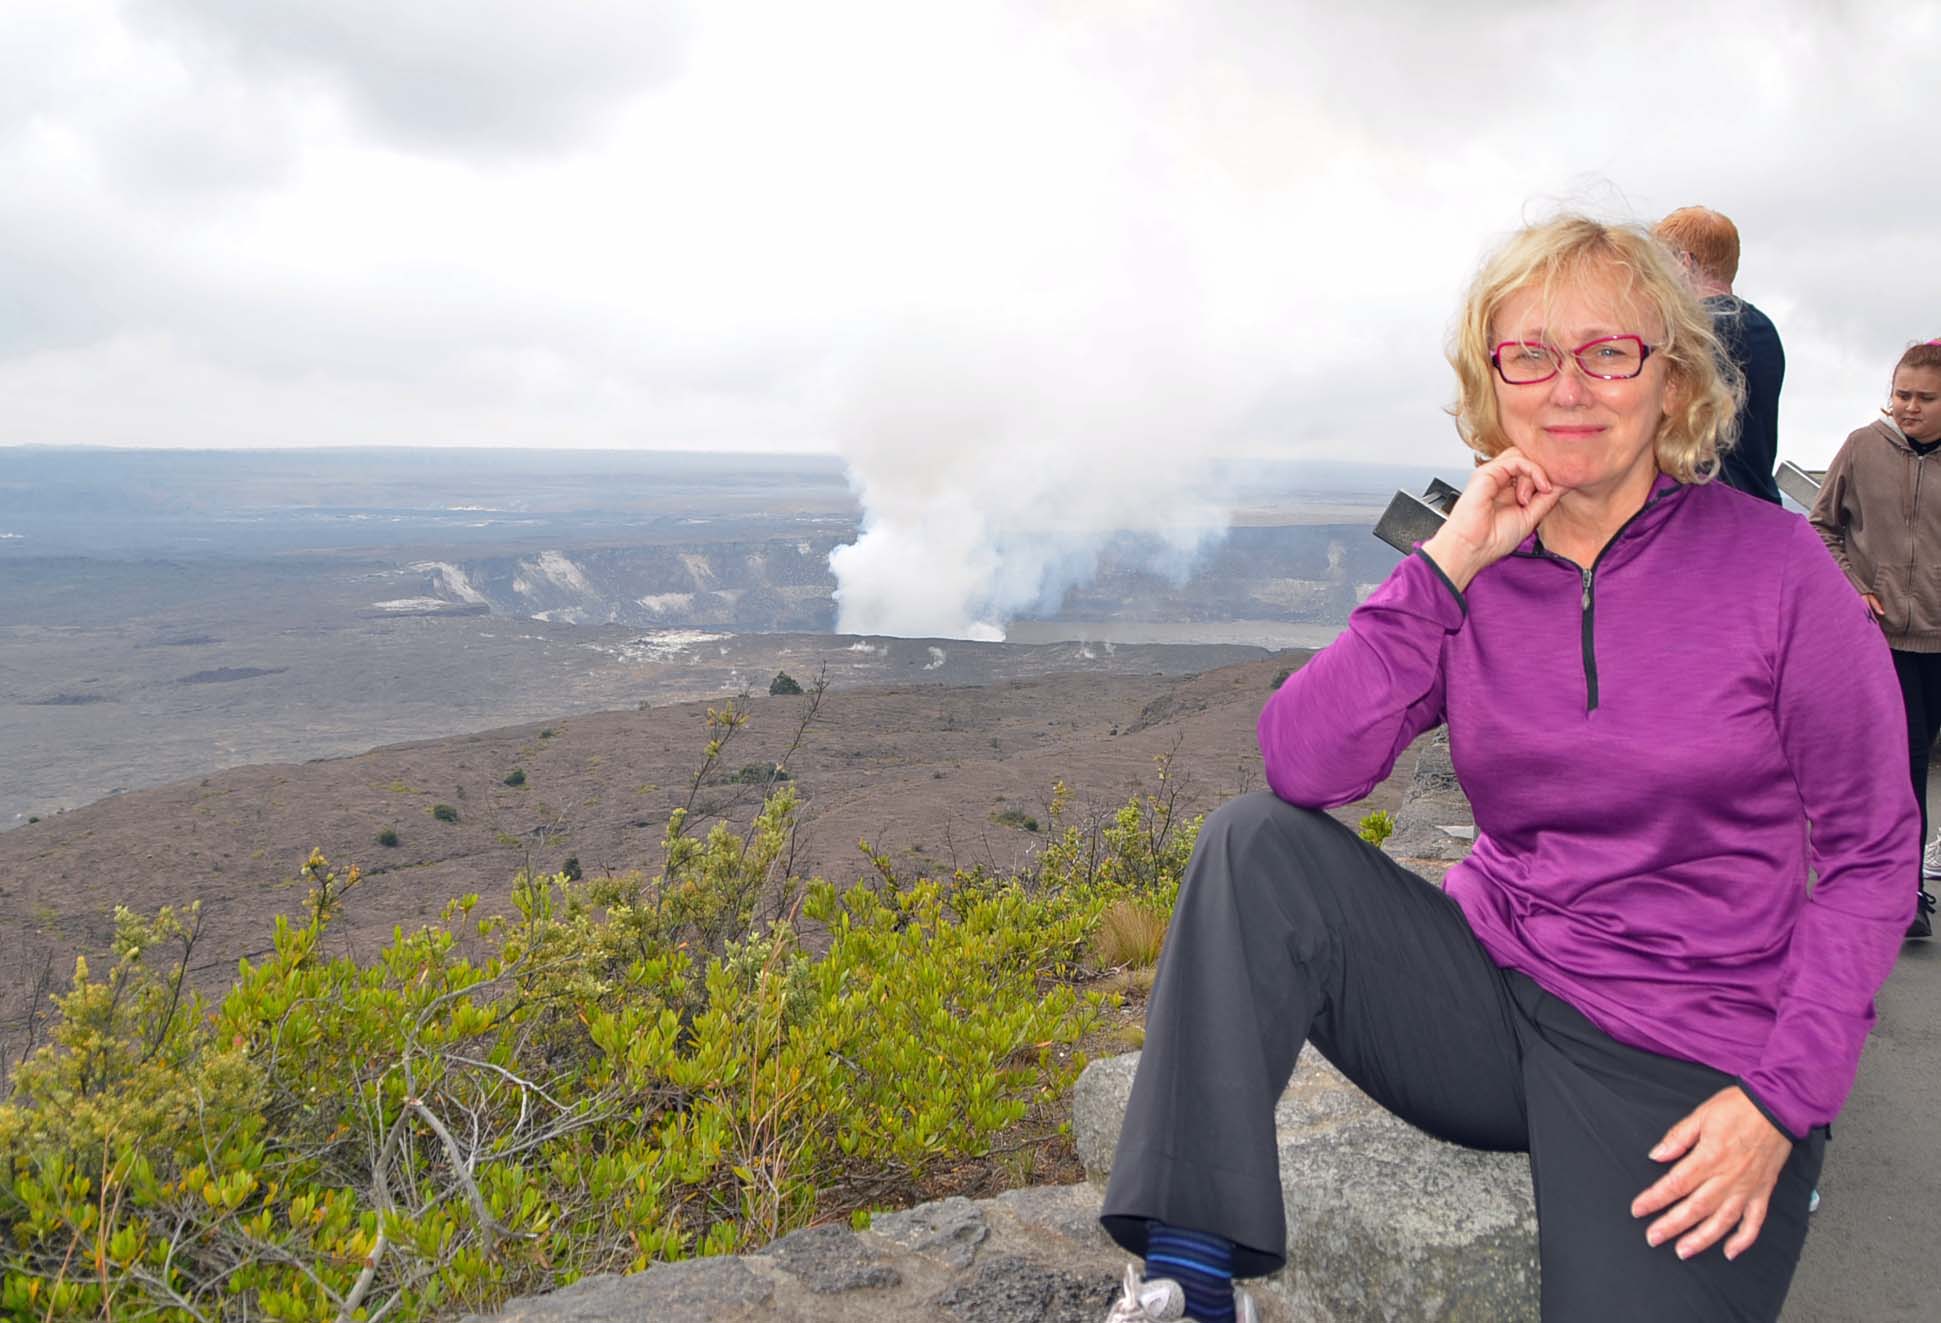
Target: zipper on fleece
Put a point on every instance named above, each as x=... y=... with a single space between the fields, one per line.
x=1913 y=523
x=1587 y=602
x=1589 y=610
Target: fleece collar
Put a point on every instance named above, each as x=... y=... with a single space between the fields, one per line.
x=1667 y=493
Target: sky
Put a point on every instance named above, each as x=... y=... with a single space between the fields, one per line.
x=992 y=254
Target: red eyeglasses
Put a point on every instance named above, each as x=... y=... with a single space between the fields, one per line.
x=1607 y=358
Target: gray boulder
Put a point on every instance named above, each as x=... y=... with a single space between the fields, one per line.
x=1434 y=828
x=1384 y=1221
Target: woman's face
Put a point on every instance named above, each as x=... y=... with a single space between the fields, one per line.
x=1916 y=402
x=1591 y=436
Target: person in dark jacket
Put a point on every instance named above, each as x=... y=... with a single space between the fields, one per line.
x=1708 y=243
x=1879 y=513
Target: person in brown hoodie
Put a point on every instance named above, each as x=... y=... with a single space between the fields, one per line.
x=1879 y=513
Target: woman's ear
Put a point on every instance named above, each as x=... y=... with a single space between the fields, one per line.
x=1674 y=392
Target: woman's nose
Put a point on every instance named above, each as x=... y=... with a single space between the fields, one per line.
x=1569 y=386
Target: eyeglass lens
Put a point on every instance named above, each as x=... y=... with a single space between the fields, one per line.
x=1523 y=361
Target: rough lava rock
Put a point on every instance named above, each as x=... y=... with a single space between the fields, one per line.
x=1384 y=1221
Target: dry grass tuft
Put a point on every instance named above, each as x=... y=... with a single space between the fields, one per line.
x=1129 y=936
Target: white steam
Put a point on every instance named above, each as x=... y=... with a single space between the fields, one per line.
x=993 y=474
x=1062 y=364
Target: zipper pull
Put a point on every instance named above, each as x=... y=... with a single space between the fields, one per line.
x=1587 y=588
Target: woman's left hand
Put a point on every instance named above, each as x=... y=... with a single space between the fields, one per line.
x=1729 y=1157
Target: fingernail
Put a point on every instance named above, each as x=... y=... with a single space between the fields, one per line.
x=1652 y=1238
x=1684 y=1253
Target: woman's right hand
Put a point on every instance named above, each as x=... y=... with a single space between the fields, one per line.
x=1504 y=502
x=1873 y=605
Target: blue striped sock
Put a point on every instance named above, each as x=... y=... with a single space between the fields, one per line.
x=1201 y=1262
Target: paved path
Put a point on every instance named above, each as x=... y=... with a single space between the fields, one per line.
x=1873 y=1255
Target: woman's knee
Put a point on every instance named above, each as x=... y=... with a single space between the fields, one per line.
x=1263 y=819
x=1259 y=846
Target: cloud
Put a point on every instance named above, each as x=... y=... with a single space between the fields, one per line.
x=466 y=76
x=1210 y=230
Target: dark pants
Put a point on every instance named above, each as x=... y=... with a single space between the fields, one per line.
x=1291 y=929
x=1920 y=677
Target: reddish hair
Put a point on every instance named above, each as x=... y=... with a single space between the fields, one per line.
x=1709 y=239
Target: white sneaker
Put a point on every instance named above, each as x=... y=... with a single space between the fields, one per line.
x=1160 y=1300
x=1931 y=858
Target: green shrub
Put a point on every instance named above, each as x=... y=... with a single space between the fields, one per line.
x=782 y=684
x=516 y=777
x=444 y=813
x=388 y=838
x=1377 y=827
x=757 y=774
x=1015 y=817
x=618 y=1071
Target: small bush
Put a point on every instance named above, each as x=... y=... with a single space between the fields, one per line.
x=1377 y=827
x=1015 y=817
x=488 y=1110
x=782 y=684
x=1280 y=677
x=444 y=813
x=616 y=1072
x=756 y=774
x=547 y=733
x=388 y=838
x=570 y=870
x=516 y=777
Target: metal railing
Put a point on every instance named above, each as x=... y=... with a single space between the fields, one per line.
x=1803 y=485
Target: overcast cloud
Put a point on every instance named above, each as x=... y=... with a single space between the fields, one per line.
x=1047 y=241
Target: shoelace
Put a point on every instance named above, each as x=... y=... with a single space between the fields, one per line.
x=1146 y=1302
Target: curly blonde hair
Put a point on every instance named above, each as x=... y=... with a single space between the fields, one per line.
x=1701 y=419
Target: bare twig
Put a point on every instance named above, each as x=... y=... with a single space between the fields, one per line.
x=161 y=1284
x=381 y=1186
x=176 y=982
x=523 y=1084
x=492 y=1229
x=815 y=693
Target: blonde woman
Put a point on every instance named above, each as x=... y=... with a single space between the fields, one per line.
x=1652 y=684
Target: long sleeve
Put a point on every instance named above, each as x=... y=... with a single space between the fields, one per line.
x=1829 y=517
x=1336 y=726
x=1844 y=736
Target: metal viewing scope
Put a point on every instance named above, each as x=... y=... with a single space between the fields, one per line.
x=1410 y=519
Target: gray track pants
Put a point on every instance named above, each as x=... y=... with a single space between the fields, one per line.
x=1290 y=928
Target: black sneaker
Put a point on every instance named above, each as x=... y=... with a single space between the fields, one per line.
x=1923 y=925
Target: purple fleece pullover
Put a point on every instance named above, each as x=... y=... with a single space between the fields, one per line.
x=1645 y=745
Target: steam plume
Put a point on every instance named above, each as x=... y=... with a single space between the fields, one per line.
x=994 y=468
